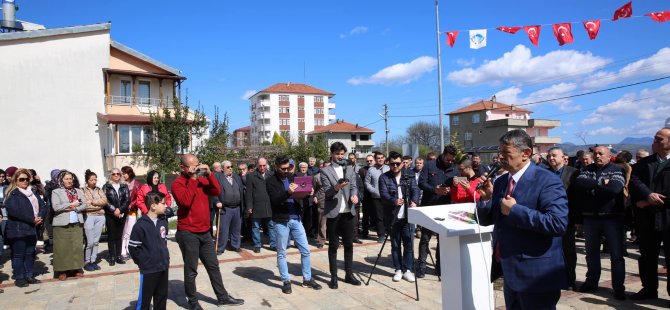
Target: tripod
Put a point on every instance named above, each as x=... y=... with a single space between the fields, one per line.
x=404 y=187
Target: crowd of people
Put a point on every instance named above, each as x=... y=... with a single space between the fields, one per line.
x=539 y=204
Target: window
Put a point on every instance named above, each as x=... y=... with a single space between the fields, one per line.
x=284 y=110
x=301 y=108
x=475 y=118
x=537 y=132
x=144 y=92
x=283 y=97
x=318 y=122
x=131 y=137
x=364 y=137
x=353 y=137
x=318 y=98
x=124 y=139
x=284 y=121
x=468 y=136
x=301 y=120
x=126 y=91
x=455 y=120
x=318 y=111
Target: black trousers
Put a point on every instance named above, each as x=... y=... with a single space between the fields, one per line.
x=367 y=210
x=570 y=254
x=650 y=247
x=378 y=218
x=114 y=234
x=194 y=246
x=426 y=234
x=340 y=226
x=306 y=219
x=153 y=286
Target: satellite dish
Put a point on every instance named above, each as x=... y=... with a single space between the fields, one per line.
x=489 y=113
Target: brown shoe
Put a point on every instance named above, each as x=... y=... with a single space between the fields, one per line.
x=79 y=273
x=62 y=276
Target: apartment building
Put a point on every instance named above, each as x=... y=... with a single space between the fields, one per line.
x=357 y=139
x=290 y=109
x=242 y=136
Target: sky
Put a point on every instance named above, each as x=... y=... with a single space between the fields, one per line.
x=371 y=53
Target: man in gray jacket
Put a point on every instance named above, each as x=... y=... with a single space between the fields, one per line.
x=379 y=218
x=229 y=203
x=341 y=196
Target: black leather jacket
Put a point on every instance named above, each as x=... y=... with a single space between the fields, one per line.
x=116 y=201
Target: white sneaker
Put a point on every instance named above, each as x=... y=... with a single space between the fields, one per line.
x=40 y=242
x=408 y=276
x=397 y=276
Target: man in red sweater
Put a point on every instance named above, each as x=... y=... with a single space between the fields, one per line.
x=191 y=190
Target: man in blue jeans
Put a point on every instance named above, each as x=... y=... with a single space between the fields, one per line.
x=286 y=217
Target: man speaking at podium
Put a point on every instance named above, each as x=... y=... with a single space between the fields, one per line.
x=529 y=209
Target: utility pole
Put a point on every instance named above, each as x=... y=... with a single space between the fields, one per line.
x=385 y=116
x=439 y=73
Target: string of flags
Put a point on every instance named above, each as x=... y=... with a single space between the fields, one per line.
x=562 y=31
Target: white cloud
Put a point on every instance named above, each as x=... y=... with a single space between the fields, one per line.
x=519 y=66
x=658 y=63
x=465 y=62
x=511 y=96
x=401 y=73
x=608 y=130
x=354 y=31
x=248 y=93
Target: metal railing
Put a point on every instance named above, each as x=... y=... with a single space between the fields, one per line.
x=139 y=101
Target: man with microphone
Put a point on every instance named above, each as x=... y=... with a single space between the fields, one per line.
x=529 y=209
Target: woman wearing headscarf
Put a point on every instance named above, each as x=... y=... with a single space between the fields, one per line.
x=68 y=206
x=48 y=189
x=118 y=200
x=135 y=187
x=25 y=210
x=153 y=185
x=95 y=219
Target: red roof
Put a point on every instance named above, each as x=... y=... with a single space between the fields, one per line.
x=488 y=105
x=125 y=119
x=341 y=126
x=247 y=128
x=296 y=88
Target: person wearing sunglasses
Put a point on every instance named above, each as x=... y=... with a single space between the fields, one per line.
x=68 y=206
x=25 y=210
x=118 y=201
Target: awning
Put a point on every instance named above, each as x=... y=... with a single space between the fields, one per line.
x=125 y=119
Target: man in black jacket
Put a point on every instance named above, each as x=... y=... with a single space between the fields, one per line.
x=435 y=181
x=229 y=203
x=287 y=224
x=257 y=204
x=650 y=193
x=602 y=208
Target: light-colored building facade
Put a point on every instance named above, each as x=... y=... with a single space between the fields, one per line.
x=73 y=98
x=357 y=139
x=242 y=137
x=290 y=109
x=481 y=124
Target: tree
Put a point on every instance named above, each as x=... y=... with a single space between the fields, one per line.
x=425 y=133
x=303 y=150
x=277 y=139
x=215 y=148
x=460 y=151
x=172 y=129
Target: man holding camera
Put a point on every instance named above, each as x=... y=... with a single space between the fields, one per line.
x=435 y=181
x=397 y=188
x=341 y=195
x=191 y=190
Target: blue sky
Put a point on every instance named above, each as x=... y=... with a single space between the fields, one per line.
x=373 y=52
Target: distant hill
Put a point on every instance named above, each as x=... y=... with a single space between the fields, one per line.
x=642 y=141
x=571 y=148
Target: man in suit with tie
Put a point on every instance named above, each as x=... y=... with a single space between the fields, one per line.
x=341 y=197
x=529 y=209
x=650 y=193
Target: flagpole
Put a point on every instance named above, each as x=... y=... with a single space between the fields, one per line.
x=439 y=72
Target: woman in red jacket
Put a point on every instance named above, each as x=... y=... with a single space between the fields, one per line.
x=134 y=186
x=464 y=188
x=153 y=185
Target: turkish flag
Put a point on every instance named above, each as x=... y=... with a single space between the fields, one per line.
x=624 y=12
x=533 y=33
x=451 y=37
x=563 y=33
x=592 y=27
x=659 y=16
x=509 y=29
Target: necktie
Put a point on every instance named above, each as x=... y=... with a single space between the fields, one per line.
x=510 y=190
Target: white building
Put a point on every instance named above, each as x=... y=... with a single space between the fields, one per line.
x=357 y=139
x=73 y=98
x=290 y=109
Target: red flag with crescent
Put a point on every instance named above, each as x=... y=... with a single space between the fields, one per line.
x=533 y=33
x=659 y=16
x=592 y=27
x=451 y=37
x=624 y=12
x=511 y=30
x=563 y=33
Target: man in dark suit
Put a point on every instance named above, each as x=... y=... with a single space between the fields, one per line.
x=556 y=159
x=529 y=209
x=258 y=204
x=650 y=193
x=229 y=203
x=338 y=183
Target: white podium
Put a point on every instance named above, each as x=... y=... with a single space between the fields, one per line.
x=464 y=260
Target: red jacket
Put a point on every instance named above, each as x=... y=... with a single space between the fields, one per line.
x=134 y=192
x=461 y=195
x=193 y=201
x=141 y=204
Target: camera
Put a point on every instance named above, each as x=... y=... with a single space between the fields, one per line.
x=200 y=171
x=343 y=180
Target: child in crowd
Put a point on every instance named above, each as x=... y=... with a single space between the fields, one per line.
x=148 y=249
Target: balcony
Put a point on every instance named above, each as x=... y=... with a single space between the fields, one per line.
x=365 y=143
x=262 y=103
x=138 y=101
x=331 y=105
x=507 y=122
x=331 y=117
x=534 y=123
x=546 y=140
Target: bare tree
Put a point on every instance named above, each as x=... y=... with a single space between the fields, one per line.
x=425 y=133
x=582 y=135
